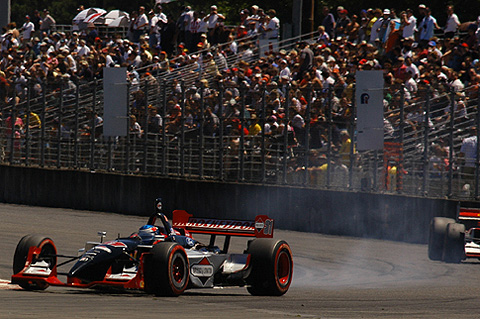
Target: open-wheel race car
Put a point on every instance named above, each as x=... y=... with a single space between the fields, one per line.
x=453 y=240
x=164 y=259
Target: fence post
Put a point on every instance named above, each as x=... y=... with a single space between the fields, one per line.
x=182 y=131
x=28 y=135
x=222 y=119
x=330 y=135
x=400 y=171
x=13 y=120
x=262 y=121
x=307 y=133
x=285 y=135
x=42 y=130
x=242 y=132
x=127 y=144
x=77 y=111
x=60 y=120
x=426 y=131
x=164 y=124
x=201 y=119
x=92 y=125
x=353 y=116
x=450 y=143
x=145 y=128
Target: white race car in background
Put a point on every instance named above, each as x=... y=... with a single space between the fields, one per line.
x=453 y=240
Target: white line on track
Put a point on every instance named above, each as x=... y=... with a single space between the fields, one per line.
x=5 y=285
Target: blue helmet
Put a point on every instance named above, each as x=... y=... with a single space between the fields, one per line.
x=148 y=232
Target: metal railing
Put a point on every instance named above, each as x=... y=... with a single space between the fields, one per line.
x=422 y=139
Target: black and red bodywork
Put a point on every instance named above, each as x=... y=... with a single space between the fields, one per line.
x=127 y=263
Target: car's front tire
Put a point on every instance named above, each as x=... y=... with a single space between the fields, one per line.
x=167 y=270
x=48 y=253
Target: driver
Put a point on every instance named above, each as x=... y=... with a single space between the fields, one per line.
x=148 y=233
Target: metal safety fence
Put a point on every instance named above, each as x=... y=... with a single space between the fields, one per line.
x=244 y=133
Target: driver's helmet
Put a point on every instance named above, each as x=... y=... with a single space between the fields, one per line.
x=148 y=232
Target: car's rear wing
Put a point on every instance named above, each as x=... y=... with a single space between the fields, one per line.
x=262 y=227
x=469 y=216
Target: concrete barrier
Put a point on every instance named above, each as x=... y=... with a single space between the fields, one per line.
x=382 y=216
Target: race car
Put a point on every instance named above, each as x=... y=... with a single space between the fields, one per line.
x=453 y=240
x=164 y=260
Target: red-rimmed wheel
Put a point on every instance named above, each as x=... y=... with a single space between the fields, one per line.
x=166 y=270
x=47 y=254
x=272 y=267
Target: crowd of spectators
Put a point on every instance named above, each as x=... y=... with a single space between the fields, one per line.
x=409 y=46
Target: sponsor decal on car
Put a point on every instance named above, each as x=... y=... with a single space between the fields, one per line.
x=220 y=224
x=116 y=244
x=202 y=269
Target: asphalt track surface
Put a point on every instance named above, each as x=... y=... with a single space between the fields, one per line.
x=334 y=277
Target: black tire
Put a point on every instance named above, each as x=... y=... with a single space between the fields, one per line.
x=454 y=247
x=272 y=267
x=166 y=270
x=436 y=239
x=48 y=254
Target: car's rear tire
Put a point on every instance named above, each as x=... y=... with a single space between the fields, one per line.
x=166 y=270
x=272 y=267
x=48 y=254
x=436 y=239
x=454 y=247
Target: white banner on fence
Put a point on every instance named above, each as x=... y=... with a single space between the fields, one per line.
x=369 y=101
x=267 y=45
x=115 y=109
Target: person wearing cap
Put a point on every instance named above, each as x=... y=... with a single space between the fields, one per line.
x=342 y=21
x=47 y=23
x=273 y=25
x=83 y=49
x=212 y=19
x=284 y=70
x=421 y=11
x=254 y=16
x=27 y=28
x=385 y=22
x=433 y=49
x=452 y=23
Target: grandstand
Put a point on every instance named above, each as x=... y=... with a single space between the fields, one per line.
x=67 y=137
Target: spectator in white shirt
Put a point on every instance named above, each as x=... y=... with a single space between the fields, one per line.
x=452 y=23
x=28 y=28
x=83 y=49
x=140 y=25
x=212 y=19
x=284 y=69
x=273 y=26
x=409 y=24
